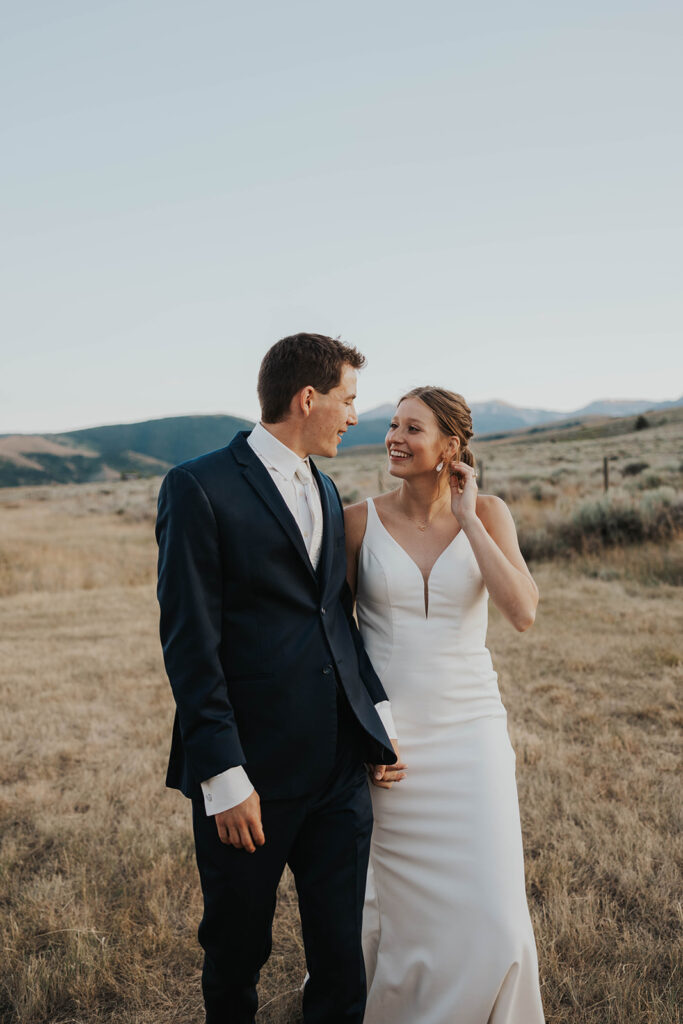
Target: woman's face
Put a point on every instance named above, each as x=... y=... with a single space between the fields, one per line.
x=414 y=442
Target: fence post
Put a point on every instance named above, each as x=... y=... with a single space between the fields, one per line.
x=605 y=469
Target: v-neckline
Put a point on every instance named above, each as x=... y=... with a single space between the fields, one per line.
x=427 y=578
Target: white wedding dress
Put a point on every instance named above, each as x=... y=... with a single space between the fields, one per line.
x=447 y=936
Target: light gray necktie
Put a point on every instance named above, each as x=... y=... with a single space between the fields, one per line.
x=314 y=544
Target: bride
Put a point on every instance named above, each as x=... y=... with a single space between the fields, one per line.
x=447 y=934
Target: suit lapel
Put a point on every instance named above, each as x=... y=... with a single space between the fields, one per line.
x=260 y=479
x=328 y=530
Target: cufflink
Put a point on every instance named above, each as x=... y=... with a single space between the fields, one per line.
x=209 y=797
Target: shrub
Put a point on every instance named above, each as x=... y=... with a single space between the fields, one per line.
x=641 y=423
x=607 y=522
x=633 y=468
x=650 y=481
x=510 y=491
x=613 y=520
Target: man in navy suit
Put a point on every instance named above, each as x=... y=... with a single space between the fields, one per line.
x=278 y=707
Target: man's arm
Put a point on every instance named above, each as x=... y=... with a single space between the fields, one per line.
x=354 y=528
x=381 y=775
x=190 y=597
x=367 y=672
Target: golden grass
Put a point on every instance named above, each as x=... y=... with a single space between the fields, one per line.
x=68 y=537
x=99 y=899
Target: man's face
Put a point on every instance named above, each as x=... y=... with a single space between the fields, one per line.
x=332 y=414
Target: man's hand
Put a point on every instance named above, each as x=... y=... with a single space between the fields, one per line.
x=385 y=775
x=241 y=826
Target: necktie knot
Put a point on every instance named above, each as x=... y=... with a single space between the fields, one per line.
x=303 y=473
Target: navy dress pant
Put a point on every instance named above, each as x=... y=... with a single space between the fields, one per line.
x=325 y=839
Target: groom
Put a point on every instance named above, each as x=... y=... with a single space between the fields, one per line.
x=278 y=706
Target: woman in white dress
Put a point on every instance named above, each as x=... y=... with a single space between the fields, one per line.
x=447 y=933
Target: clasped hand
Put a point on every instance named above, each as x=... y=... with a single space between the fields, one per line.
x=385 y=775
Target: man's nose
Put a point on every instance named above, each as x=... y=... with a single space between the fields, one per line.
x=351 y=417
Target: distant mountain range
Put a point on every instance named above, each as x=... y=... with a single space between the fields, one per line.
x=152 y=447
x=498 y=417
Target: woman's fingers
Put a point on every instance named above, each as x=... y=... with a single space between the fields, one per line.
x=393 y=773
x=460 y=474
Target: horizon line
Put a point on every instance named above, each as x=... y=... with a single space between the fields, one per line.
x=236 y=416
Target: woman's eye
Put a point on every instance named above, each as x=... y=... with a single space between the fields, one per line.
x=392 y=426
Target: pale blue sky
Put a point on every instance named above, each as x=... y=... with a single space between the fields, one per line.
x=481 y=196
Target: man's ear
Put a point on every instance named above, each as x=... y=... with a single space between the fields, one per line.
x=303 y=401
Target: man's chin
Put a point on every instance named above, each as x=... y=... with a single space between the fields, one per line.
x=334 y=447
x=327 y=451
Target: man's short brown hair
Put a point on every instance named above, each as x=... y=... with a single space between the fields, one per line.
x=299 y=361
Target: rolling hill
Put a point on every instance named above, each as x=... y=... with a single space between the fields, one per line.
x=103 y=453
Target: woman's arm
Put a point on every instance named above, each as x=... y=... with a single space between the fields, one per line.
x=490 y=529
x=355 y=522
x=493 y=537
x=494 y=540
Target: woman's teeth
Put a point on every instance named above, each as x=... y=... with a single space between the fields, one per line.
x=396 y=454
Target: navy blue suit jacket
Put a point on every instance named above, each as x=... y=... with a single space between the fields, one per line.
x=255 y=640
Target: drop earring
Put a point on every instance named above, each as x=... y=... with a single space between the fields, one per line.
x=439 y=467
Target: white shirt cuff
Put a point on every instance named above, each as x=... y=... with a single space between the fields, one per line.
x=383 y=709
x=221 y=792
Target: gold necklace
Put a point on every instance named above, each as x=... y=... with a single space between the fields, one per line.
x=421 y=527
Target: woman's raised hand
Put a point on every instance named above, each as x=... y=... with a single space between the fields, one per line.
x=463 y=483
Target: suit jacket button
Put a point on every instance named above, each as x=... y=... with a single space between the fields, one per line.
x=323 y=611
x=327 y=670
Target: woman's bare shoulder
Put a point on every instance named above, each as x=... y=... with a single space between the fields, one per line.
x=495 y=515
x=385 y=502
x=355 y=521
x=491 y=506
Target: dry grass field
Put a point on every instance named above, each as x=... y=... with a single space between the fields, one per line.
x=99 y=899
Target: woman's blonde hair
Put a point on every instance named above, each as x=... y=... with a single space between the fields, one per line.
x=452 y=413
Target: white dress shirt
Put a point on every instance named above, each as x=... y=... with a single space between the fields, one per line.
x=301 y=495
